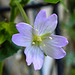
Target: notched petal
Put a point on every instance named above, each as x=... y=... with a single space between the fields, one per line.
x=49 y=25
x=39 y=21
x=34 y=55
x=24 y=29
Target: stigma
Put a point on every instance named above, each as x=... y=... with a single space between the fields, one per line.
x=38 y=38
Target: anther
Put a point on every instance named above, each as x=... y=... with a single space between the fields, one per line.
x=36 y=30
x=50 y=38
x=33 y=43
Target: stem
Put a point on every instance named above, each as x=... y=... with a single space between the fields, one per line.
x=23 y=13
x=12 y=16
x=1 y=67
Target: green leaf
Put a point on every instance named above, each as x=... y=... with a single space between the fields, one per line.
x=3 y=36
x=3 y=33
x=1 y=27
x=6 y=31
x=24 y=2
x=56 y=1
x=51 y=1
x=7 y=49
x=10 y=28
x=71 y=26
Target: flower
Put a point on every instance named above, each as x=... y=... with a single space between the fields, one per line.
x=39 y=40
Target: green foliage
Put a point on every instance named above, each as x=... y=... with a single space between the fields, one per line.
x=7 y=49
x=10 y=28
x=22 y=2
x=6 y=31
x=56 y=1
x=71 y=5
x=12 y=2
x=70 y=58
x=1 y=67
x=51 y=1
x=72 y=71
x=3 y=36
x=71 y=22
x=71 y=26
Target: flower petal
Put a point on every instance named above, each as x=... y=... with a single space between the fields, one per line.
x=39 y=21
x=29 y=57
x=56 y=40
x=49 y=25
x=21 y=40
x=34 y=55
x=38 y=59
x=53 y=51
x=24 y=29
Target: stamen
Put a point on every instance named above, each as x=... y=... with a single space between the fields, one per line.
x=44 y=45
x=50 y=38
x=36 y=30
x=33 y=43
